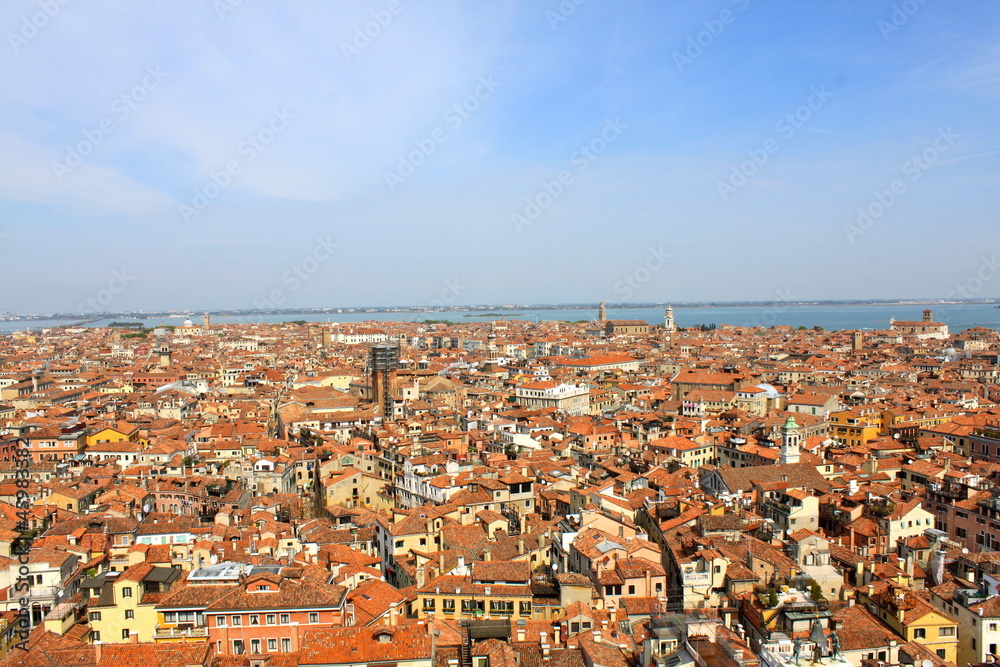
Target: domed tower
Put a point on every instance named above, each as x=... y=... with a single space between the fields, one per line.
x=668 y=320
x=790 y=438
x=492 y=352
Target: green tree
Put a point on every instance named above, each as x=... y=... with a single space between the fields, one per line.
x=772 y=598
x=815 y=591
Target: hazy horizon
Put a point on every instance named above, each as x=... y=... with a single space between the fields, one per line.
x=255 y=156
x=916 y=302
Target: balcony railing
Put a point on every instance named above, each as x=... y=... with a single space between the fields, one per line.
x=991 y=503
x=498 y=629
x=778 y=506
x=968 y=596
x=991 y=431
x=696 y=578
x=881 y=509
x=955 y=491
x=43 y=592
x=166 y=633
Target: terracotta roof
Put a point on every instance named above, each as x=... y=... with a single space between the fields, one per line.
x=858 y=629
x=336 y=646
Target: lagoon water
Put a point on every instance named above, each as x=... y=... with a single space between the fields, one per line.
x=958 y=317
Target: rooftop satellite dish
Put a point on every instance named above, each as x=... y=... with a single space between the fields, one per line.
x=927 y=663
x=965 y=550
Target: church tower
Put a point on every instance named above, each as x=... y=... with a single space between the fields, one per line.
x=602 y=313
x=669 y=328
x=163 y=352
x=668 y=320
x=790 y=438
x=492 y=351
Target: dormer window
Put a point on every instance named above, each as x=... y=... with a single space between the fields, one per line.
x=264 y=587
x=383 y=637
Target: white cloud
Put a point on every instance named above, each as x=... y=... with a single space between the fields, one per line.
x=28 y=176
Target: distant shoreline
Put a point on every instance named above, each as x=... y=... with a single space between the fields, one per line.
x=498 y=311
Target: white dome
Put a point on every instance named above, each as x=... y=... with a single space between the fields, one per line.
x=771 y=391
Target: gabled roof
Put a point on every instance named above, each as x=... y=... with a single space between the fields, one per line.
x=796 y=475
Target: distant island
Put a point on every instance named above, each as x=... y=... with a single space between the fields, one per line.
x=489 y=310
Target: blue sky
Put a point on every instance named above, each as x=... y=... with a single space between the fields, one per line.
x=175 y=154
